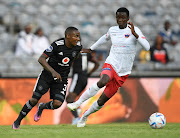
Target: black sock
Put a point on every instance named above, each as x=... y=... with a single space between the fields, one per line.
x=48 y=105
x=75 y=114
x=25 y=110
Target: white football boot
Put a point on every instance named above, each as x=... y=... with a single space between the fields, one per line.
x=72 y=106
x=75 y=120
x=82 y=121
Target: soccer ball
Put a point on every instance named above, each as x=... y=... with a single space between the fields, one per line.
x=157 y=120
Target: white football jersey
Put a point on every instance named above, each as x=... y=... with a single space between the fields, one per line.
x=123 y=49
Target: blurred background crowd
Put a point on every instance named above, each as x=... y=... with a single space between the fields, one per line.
x=28 y=27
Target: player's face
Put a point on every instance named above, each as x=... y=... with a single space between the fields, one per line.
x=28 y=29
x=167 y=26
x=74 y=37
x=122 y=19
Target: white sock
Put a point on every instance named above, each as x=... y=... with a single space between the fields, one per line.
x=88 y=93
x=95 y=107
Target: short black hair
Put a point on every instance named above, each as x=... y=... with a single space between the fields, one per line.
x=167 y=22
x=70 y=29
x=37 y=30
x=123 y=9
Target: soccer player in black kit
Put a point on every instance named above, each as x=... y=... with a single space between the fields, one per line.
x=80 y=78
x=56 y=61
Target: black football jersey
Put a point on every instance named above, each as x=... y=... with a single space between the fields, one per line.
x=61 y=57
x=80 y=65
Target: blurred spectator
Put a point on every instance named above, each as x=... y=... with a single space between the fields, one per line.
x=24 y=42
x=40 y=42
x=167 y=34
x=100 y=57
x=159 y=52
x=144 y=56
x=1 y=20
x=14 y=28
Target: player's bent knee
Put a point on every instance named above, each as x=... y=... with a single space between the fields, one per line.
x=70 y=98
x=56 y=104
x=102 y=99
x=100 y=103
x=34 y=101
x=102 y=83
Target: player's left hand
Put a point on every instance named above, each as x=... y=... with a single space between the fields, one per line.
x=132 y=29
x=56 y=76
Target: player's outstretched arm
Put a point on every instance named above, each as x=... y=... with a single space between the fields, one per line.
x=42 y=61
x=103 y=39
x=140 y=37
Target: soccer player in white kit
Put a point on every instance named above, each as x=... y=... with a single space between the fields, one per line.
x=118 y=64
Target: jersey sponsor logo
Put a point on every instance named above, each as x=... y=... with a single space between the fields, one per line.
x=60 y=53
x=65 y=60
x=127 y=35
x=119 y=46
x=49 y=49
x=124 y=46
x=63 y=64
x=60 y=42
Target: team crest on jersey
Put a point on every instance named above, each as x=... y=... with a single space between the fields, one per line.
x=65 y=60
x=74 y=53
x=127 y=35
x=49 y=49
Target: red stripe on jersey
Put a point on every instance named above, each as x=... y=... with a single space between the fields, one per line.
x=45 y=54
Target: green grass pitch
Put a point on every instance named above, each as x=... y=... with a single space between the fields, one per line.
x=114 y=130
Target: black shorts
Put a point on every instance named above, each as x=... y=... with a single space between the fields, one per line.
x=46 y=82
x=78 y=83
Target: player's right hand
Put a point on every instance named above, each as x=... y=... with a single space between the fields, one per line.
x=131 y=26
x=56 y=76
x=86 y=51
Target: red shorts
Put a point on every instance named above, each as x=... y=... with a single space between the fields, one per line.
x=115 y=81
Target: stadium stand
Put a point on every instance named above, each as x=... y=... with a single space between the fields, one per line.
x=93 y=18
